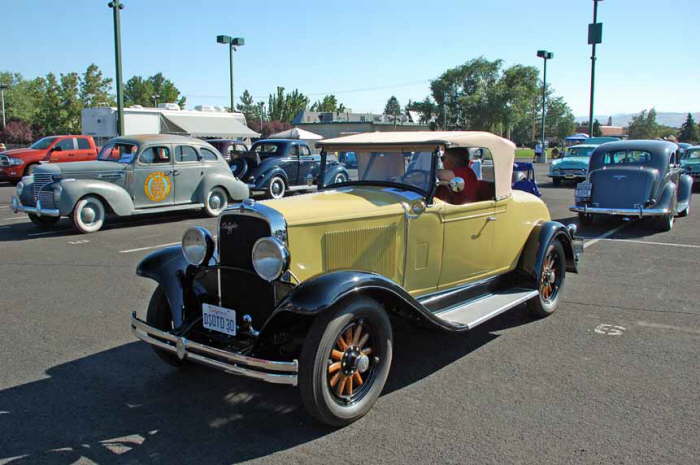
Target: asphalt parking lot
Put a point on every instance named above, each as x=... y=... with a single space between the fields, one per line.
x=612 y=377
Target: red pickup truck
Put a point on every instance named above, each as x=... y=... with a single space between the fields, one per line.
x=21 y=162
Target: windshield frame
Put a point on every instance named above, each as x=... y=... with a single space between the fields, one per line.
x=51 y=139
x=281 y=148
x=688 y=152
x=569 y=152
x=409 y=187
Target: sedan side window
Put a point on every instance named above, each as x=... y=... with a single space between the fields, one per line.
x=304 y=150
x=185 y=153
x=208 y=155
x=154 y=155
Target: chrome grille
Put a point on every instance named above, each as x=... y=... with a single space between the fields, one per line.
x=40 y=181
x=47 y=200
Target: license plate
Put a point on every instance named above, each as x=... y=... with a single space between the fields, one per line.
x=583 y=189
x=219 y=319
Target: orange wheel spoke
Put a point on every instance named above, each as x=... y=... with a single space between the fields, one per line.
x=363 y=340
x=336 y=354
x=341 y=343
x=356 y=337
x=357 y=377
x=340 y=387
x=348 y=335
x=335 y=378
x=333 y=367
x=348 y=386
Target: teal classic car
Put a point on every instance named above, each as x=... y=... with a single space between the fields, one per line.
x=691 y=162
x=132 y=175
x=573 y=165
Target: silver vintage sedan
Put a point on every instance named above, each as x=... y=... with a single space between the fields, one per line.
x=132 y=175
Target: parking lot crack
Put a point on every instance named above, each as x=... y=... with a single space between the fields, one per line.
x=620 y=307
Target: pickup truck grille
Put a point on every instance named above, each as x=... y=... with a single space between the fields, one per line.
x=40 y=181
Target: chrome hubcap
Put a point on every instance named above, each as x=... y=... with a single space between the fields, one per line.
x=88 y=215
x=215 y=202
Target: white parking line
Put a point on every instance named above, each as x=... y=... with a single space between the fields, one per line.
x=670 y=244
x=14 y=218
x=150 y=247
x=604 y=235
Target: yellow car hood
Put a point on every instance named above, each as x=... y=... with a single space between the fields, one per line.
x=349 y=203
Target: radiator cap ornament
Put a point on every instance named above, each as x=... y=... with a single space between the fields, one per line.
x=248 y=203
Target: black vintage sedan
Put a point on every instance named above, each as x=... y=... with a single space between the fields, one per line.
x=274 y=167
x=635 y=178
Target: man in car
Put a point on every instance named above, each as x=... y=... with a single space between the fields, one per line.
x=456 y=165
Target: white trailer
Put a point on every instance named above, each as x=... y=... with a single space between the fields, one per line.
x=203 y=122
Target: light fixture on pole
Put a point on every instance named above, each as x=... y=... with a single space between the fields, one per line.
x=545 y=55
x=116 y=6
x=595 y=36
x=232 y=42
x=155 y=100
x=2 y=97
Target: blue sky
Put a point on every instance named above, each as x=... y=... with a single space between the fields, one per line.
x=649 y=56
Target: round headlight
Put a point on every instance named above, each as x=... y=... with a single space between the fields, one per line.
x=270 y=258
x=19 y=188
x=197 y=246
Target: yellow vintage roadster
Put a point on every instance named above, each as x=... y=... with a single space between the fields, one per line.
x=302 y=290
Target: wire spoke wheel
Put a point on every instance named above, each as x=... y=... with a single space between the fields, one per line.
x=350 y=367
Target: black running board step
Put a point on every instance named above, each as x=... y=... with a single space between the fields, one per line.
x=477 y=311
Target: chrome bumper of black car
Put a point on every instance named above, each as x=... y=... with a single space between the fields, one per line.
x=639 y=212
x=16 y=206
x=229 y=362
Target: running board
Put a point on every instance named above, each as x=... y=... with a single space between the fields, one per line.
x=170 y=208
x=474 y=312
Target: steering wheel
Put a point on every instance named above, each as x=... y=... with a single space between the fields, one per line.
x=411 y=175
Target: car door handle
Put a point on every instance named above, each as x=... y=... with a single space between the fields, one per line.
x=491 y=218
x=175 y=172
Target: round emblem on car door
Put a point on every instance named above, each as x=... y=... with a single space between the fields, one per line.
x=157 y=186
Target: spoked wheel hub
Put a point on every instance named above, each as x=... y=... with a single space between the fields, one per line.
x=549 y=284
x=349 y=364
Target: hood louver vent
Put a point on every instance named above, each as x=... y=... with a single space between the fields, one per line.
x=368 y=249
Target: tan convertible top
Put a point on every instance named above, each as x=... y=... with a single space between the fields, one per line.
x=502 y=150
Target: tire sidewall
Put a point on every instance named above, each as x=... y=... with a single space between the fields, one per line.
x=339 y=178
x=316 y=394
x=540 y=306
x=100 y=211
x=207 y=205
x=158 y=316
x=274 y=180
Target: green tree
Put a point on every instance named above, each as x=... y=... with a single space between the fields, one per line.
x=392 y=106
x=48 y=116
x=427 y=109
x=596 y=129
x=248 y=107
x=141 y=91
x=70 y=106
x=22 y=96
x=95 y=88
x=328 y=103
x=643 y=126
x=282 y=106
x=689 y=130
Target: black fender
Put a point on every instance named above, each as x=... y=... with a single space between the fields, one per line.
x=667 y=199
x=264 y=182
x=334 y=170
x=541 y=236
x=323 y=291
x=685 y=188
x=168 y=268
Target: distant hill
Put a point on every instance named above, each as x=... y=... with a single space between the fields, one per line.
x=675 y=120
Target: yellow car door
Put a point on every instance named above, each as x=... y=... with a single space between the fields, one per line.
x=468 y=232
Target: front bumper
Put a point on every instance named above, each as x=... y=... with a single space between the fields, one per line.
x=16 y=206
x=229 y=362
x=637 y=212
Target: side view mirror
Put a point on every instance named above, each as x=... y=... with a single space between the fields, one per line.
x=456 y=184
x=56 y=149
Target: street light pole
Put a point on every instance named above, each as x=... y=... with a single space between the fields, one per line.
x=545 y=55
x=155 y=100
x=232 y=42
x=595 y=36
x=261 y=115
x=116 y=5
x=2 y=97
